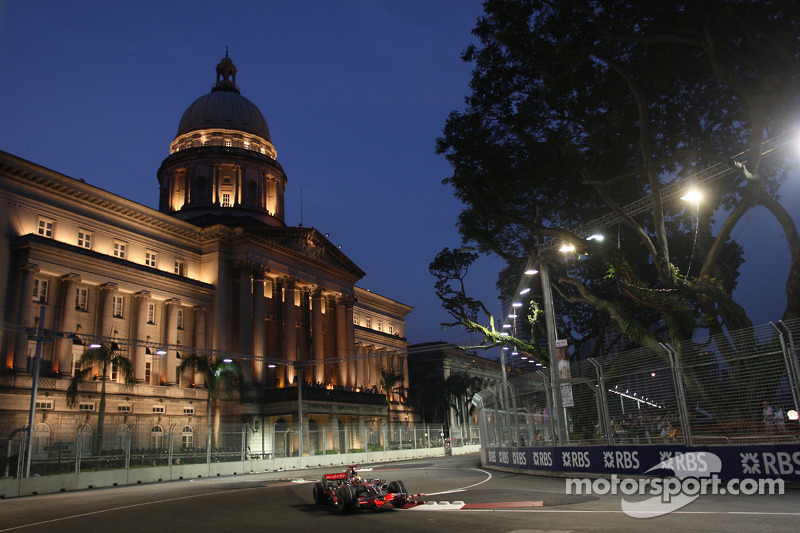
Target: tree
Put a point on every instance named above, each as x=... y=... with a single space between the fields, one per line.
x=391 y=382
x=459 y=388
x=579 y=109
x=218 y=373
x=106 y=357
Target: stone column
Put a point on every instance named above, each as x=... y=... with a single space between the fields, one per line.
x=199 y=339
x=318 y=340
x=169 y=360
x=335 y=434
x=289 y=326
x=65 y=321
x=139 y=317
x=24 y=317
x=277 y=330
x=245 y=274
x=259 y=331
x=341 y=341
x=305 y=352
x=349 y=336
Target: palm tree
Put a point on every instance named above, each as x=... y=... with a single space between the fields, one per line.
x=216 y=372
x=391 y=382
x=460 y=388
x=106 y=357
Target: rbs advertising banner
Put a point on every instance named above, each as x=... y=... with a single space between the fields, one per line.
x=749 y=461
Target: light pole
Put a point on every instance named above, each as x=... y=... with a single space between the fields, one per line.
x=550 y=318
x=34 y=390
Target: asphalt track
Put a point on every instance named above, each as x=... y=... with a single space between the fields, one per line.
x=460 y=496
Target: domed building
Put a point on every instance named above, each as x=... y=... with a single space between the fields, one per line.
x=214 y=275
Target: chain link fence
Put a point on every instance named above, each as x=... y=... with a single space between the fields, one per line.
x=136 y=446
x=734 y=388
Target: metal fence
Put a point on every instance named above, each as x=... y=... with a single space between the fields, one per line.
x=142 y=447
x=739 y=387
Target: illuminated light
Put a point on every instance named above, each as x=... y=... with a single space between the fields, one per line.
x=525 y=291
x=523 y=357
x=161 y=352
x=94 y=345
x=693 y=195
x=596 y=237
x=567 y=248
x=226 y=360
x=505 y=347
x=515 y=352
x=512 y=316
x=270 y=366
x=531 y=272
x=516 y=304
x=652 y=374
x=504 y=334
x=507 y=326
x=792 y=415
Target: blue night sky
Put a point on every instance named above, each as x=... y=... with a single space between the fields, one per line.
x=355 y=94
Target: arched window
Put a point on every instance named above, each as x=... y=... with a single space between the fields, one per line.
x=187 y=437
x=41 y=438
x=157 y=437
x=122 y=436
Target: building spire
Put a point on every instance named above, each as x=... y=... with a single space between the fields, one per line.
x=226 y=75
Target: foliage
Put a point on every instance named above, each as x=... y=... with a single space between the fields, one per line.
x=219 y=374
x=578 y=109
x=391 y=382
x=105 y=357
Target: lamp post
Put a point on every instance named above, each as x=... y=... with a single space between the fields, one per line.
x=550 y=318
x=34 y=390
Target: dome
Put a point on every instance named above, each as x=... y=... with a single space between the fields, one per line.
x=224 y=107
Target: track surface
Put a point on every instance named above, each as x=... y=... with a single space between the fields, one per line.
x=281 y=501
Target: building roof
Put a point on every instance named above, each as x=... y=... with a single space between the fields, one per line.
x=224 y=107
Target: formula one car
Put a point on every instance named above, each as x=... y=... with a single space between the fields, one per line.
x=349 y=491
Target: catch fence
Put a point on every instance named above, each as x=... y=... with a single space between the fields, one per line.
x=735 y=388
x=137 y=446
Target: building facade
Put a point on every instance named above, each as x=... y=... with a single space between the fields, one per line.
x=214 y=271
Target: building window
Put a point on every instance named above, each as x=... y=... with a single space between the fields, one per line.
x=44 y=404
x=85 y=406
x=246 y=145
x=206 y=143
x=356 y=320
x=226 y=199
x=114 y=372
x=188 y=410
x=227 y=143
x=81 y=299
x=147 y=366
x=40 y=287
x=180 y=319
x=157 y=437
x=180 y=267
x=46 y=227
x=380 y=325
x=187 y=437
x=125 y=408
x=120 y=248
x=151 y=313
x=84 y=239
x=369 y=322
x=159 y=409
x=119 y=307
x=150 y=258
x=390 y=329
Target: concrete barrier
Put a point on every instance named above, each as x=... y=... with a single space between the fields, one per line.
x=11 y=487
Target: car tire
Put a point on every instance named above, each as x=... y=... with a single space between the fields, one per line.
x=398 y=487
x=345 y=499
x=319 y=493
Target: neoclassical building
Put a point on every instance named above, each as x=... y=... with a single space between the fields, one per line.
x=215 y=270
